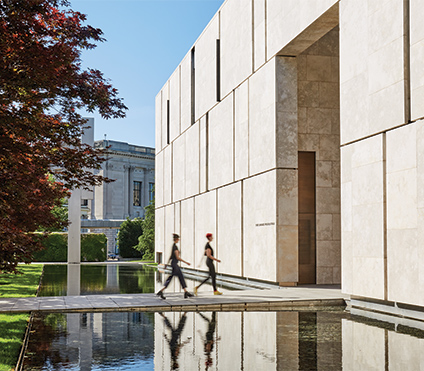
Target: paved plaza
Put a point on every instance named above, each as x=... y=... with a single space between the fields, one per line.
x=295 y=298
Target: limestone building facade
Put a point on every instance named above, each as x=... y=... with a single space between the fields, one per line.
x=293 y=131
x=133 y=169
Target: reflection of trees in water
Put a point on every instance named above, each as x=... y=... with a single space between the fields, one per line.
x=130 y=279
x=45 y=330
x=93 y=279
x=114 y=339
x=54 y=280
x=140 y=279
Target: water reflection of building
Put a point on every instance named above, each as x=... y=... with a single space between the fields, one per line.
x=371 y=344
x=251 y=341
x=285 y=340
x=98 y=338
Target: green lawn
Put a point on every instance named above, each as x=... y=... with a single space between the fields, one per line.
x=12 y=326
x=21 y=285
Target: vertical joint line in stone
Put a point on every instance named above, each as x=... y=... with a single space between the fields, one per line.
x=179 y=218
x=242 y=342
x=218 y=70
x=248 y=127
x=242 y=228
x=386 y=350
x=194 y=231
x=234 y=135
x=385 y=218
x=172 y=172
x=179 y=99
x=216 y=226
x=167 y=123
x=276 y=138
x=207 y=151
x=253 y=36
x=193 y=86
x=199 y=189
x=407 y=59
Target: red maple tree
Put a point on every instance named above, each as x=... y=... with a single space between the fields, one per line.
x=42 y=90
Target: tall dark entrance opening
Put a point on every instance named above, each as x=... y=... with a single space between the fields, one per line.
x=307 y=217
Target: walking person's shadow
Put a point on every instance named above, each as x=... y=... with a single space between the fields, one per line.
x=174 y=342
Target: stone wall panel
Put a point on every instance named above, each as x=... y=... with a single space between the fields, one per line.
x=221 y=144
x=236 y=43
x=229 y=239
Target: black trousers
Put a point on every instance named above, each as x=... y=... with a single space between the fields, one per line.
x=176 y=271
x=212 y=274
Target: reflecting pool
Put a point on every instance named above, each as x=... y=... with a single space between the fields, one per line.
x=331 y=340
x=95 y=279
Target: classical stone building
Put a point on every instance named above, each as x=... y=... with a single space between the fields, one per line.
x=133 y=169
x=293 y=131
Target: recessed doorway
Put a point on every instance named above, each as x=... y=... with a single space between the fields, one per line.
x=307 y=217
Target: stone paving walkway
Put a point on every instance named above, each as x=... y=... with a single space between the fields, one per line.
x=290 y=298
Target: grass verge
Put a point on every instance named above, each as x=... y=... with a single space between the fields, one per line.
x=12 y=326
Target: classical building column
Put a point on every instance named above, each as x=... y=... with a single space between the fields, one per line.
x=130 y=190
x=107 y=200
x=126 y=191
x=145 y=187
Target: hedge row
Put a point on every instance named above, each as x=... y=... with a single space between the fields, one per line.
x=93 y=248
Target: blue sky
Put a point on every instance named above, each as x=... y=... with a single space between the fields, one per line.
x=146 y=40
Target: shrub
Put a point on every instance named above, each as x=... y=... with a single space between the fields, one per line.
x=93 y=248
x=55 y=249
x=146 y=242
x=128 y=235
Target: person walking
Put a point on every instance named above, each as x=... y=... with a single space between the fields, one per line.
x=209 y=262
x=176 y=270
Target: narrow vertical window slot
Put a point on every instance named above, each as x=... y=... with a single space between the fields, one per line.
x=207 y=151
x=407 y=59
x=218 y=70
x=193 y=86
x=167 y=123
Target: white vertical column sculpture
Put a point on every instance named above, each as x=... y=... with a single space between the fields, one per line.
x=74 y=206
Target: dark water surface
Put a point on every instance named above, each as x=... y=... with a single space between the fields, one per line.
x=227 y=341
x=99 y=279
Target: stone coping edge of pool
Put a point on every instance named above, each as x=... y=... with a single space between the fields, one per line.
x=291 y=305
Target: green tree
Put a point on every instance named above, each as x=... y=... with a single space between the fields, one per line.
x=128 y=235
x=146 y=242
x=59 y=212
x=44 y=91
x=93 y=247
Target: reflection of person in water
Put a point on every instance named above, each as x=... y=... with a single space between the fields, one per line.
x=209 y=339
x=174 y=344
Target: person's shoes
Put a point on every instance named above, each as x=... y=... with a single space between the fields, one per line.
x=217 y=292
x=160 y=294
x=195 y=290
x=187 y=295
